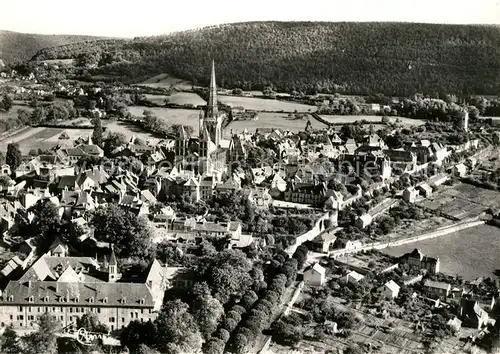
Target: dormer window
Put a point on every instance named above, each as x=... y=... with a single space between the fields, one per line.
x=91 y=300
x=46 y=299
x=141 y=301
x=123 y=300
x=31 y=299
x=11 y=298
x=105 y=300
x=77 y=299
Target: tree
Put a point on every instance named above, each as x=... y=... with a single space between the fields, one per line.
x=97 y=133
x=7 y=102
x=24 y=116
x=44 y=340
x=240 y=343
x=91 y=323
x=178 y=327
x=249 y=299
x=144 y=349
x=112 y=141
x=130 y=234
x=138 y=333
x=13 y=156
x=214 y=346
x=5 y=181
x=46 y=217
x=10 y=341
x=208 y=312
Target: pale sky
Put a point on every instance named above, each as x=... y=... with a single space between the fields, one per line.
x=129 y=18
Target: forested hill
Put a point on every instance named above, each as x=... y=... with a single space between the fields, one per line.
x=361 y=58
x=16 y=47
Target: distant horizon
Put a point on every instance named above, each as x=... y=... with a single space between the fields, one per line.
x=240 y=22
x=133 y=18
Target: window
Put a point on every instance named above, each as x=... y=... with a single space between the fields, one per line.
x=112 y=319
x=31 y=299
x=31 y=318
x=124 y=300
x=91 y=300
x=11 y=298
x=20 y=309
x=71 y=310
x=62 y=318
x=11 y=317
x=141 y=301
x=20 y=317
x=132 y=314
x=98 y=310
x=142 y=311
x=105 y=300
x=123 y=319
x=46 y=299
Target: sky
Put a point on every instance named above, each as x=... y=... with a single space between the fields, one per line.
x=131 y=18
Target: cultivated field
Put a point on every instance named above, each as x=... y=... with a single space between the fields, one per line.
x=463 y=201
x=351 y=119
x=262 y=104
x=170 y=115
x=41 y=138
x=272 y=120
x=166 y=81
x=59 y=61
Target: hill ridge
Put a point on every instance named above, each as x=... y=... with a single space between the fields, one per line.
x=394 y=58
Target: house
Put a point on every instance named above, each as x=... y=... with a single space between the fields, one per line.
x=437 y=289
x=472 y=315
x=260 y=198
x=207 y=187
x=324 y=241
x=410 y=195
x=417 y=260
x=5 y=170
x=353 y=244
x=425 y=190
x=363 y=221
x=353 y=277
x=390 y=290
x=315 y=275
x=459 y=170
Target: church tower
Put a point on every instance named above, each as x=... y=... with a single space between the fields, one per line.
x=212 y=119
x=113 y=274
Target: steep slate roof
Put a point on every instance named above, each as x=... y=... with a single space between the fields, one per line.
x=437 y=285
x=79 y=294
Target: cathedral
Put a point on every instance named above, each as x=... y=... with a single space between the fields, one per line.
x=207 y=153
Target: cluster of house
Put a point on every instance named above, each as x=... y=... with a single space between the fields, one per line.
x=472 y=303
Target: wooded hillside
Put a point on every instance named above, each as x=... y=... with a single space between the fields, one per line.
x=357 y=58
x=17 y=47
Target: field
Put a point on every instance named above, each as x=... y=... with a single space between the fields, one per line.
x=40 y=138
x=166 y=81
x=351 y=119
x=59 y=61
x=12 y=113
x=182 y=98
x=130 y=130
x=262 y=104
x=462 y=201
x=170 y=115
x=471 y=253
x=272 y=120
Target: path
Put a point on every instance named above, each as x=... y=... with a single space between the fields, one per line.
x=446 y=230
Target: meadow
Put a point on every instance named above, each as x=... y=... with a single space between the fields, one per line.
x=470 y=253
x=182 y=98
x=272 y=120
x=130 y=130
x=40 y=138
x=12 y=113
x=262 y=104
x=166 y=81
x=170 y=115
x=341 y=119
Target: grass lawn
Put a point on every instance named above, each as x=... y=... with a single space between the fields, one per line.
x=262 y=104
x=12 y=113
x=273 y=120
x=129 y=130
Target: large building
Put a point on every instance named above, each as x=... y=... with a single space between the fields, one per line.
x=207 y=153
x=67 y=287
x=418 y=261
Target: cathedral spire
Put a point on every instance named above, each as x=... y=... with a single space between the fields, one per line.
x=212 y=100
